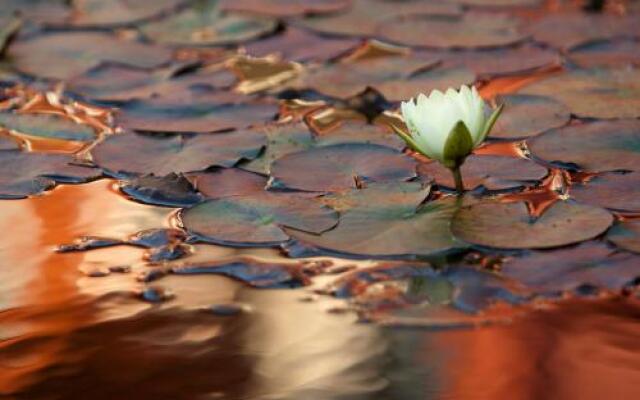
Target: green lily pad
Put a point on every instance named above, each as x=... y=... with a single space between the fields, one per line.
x=47 y=126
x=590 y=264
x=620 y=192
x=626 y=235
x=341 y=166
x=526 y=115
x=469 y=30
x=606 y=54
x=161 y=155
x=26 y=174
x=594 y=93
x=62 y=55
x=195 y=113
x=387 y=220
x=594 y=147
x=509 y=225
x=227 y=182
x=285 y=8
x=204 y=23
x=257 y=219
x=490 y=172
x=118 y=12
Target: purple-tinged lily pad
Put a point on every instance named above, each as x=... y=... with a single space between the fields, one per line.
x=341 y=166
x=285 y=8
x=527 y=115
x=594 y=147
x=92 y=13
x=161 y=155
x=606 y=54
x=172 y=190
x=227 y=182
x=257 y=219
x=46 y=126
x=509 y=225
x=620 y=192
x=282 y=139
x=626 y=235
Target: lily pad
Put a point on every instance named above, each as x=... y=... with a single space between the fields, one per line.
x=594 y=147
x=299 y=45
x=25 y=174
x=620 y=192
x=282 y=139
x=349 y=131
x=161 y=155
x=198 y=113
x=204 y=23
x=594 y=93
x=9 y=26
x=172 y=190
x=285 y=8
x=626 y=235
x=509 y=225
x=37 y=11
x=62 y=55
x=227 y=182
x=469 y=30
x=364 y=16
x=47 y=126
x=7 y=143
x=489 y=172
x=590 y=264
x=424 y=82
x=527 y=115
x=341 y=166
x=606 y=54
x=118 y=12
x=567 y=30
x=258 y=219
x=387 y=220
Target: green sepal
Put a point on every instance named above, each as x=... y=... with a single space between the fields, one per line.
x=458 y=146
x=407 y=138
x=490 y=122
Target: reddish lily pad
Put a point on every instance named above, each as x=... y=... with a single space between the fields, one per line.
x=172 y=190
x=527 y=115
x=281 y=140
x=620 y=192
x=299 y=45
x=46 y=126
x=161 y=155
x=606 y=54
x=568 y=30
x=285 y=8
x=594 y=93
x=590 y=264
x=364 y=16
x=257 y=219
x=626 y=235
x=489 y=172
x=352 y=131
x=38 y=11
x=62 y=55
x=204 y=23
x=594 y=147
x=227 y=182
x=25 y=174
x=7 y=143
x=425 y=82
x=500 y=3
x=469 y=30
x=341 y=166
x=387 y=220
x=509 y=225
x=9 y=26
x=118 y=12
x=197 y=113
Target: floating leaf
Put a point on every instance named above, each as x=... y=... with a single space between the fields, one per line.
x=619 y=192
x=358 y=132
x=387 y=220
x=606 y=54
x=161 y=155
x=589 y=264
x=7 y=143
x=25 y=174
x=171 y=190
x=285 y=8
x=596 y=147
x=299 y=45
x=282 y=139
x=198 y=113
x=489 y=172
x=204 y=23
x=469 y=30
x=626 y=235
x=258 y=219
x=509 y=225
x=424 y=82
x=227 y=182
x=526 y=115
x=62 y=55
x=500 y=3
x=47 y=126
x=341 y=166
x=594 y=93
x=9 y=25
x=118 y=12
x=37 y=11
x=568 y=30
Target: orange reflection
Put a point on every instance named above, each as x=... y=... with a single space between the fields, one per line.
x=511 y=84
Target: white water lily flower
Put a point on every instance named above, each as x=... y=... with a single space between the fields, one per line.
x=447 y=126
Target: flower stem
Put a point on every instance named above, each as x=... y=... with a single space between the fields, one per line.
x=457 y=176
